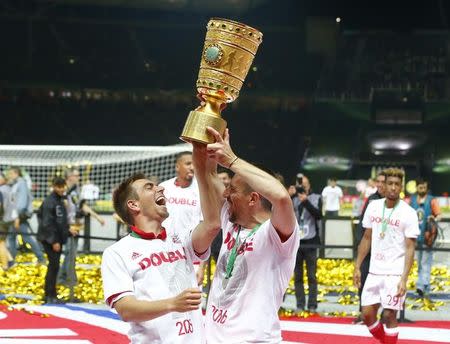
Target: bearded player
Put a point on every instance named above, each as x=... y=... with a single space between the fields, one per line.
x=257 y=256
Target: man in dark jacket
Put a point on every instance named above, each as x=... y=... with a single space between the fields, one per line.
x=307 y=207
x=53 y=232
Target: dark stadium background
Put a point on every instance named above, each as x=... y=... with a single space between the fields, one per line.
x=371 y=90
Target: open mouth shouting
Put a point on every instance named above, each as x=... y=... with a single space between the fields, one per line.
x=160 y=200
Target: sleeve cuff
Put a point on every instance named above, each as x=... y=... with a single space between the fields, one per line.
x=111 y=300
x=203 y=256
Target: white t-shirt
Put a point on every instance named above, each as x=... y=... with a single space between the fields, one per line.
x=90 y=192
x=154 y=270
x=388 y=253
x=369 y=191
x=244 y=308
x=332 y=196
x=183 y=205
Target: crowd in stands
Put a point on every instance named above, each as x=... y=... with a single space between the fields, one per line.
x=382 y=60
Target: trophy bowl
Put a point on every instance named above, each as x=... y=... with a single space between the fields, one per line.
x=228 y=53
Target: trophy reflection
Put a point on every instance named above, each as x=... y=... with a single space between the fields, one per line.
x=228 y=53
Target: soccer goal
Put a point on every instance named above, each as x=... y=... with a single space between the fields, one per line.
x=101 y=167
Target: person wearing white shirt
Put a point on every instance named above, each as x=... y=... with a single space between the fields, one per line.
x=90 y=191
x=183 y=202
x=332 y=198
x=6 y=220
x=225 y=177
x=391 y=228
x=370 y=189
x=148 y=276
x=257 y=256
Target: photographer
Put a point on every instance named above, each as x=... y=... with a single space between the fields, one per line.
x=307 y=207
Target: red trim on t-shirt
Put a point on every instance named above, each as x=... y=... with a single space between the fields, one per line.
x=112 y=297
x=149 y=236
x=179 y=185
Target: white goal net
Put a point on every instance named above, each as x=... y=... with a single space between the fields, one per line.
x=101 y=167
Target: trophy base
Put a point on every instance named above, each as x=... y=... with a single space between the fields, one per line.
x=195 y=127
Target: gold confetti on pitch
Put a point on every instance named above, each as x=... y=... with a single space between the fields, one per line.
x=24 y=284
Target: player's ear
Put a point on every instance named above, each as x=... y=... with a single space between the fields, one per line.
x=254 y=198
x=133 y=205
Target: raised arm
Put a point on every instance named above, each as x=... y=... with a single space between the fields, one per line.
x=283 y=217
x=211 y=199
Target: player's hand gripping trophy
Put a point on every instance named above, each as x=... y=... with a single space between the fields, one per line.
x=228 y=53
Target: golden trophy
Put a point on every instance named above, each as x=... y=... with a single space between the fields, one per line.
x=228 y=53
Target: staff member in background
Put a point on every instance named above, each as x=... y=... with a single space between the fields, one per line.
x=53 y=231
x=428 y=212
x=332 y=198
x=6 y=220
x=23 y=211
x=307 y=207
x=77 y=209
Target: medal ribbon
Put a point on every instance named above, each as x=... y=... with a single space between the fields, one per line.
x=233 y=254
x=385 y=223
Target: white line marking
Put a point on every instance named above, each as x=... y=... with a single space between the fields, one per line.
x=37 y=332
x=114 y=325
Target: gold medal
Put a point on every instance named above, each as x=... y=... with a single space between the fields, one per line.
x=382 y=235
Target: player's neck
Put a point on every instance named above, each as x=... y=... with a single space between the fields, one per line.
x=148 y=225
x=391 y=203
x=256 y=219
x=183 y=183
x=421 y=198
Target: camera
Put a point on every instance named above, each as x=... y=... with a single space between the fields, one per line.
x=299 y=187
